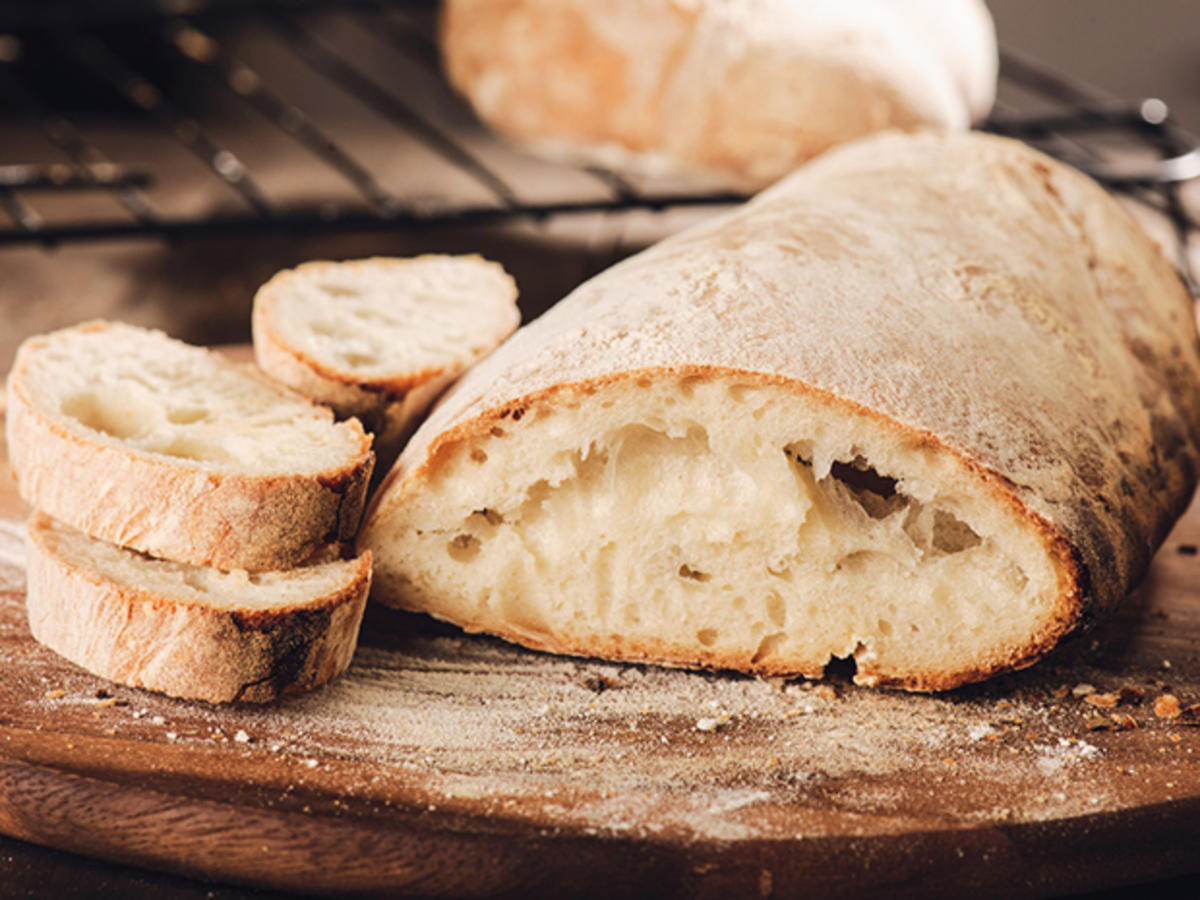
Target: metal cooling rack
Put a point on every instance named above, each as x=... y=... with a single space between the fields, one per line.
x=167 y=64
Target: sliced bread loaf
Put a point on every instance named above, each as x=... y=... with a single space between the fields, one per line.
x=192 y=631
x=931 y=403
x=381 y=338
x=174 y=451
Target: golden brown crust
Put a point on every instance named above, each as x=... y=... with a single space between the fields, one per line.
x=144 y=639
x=177 y=511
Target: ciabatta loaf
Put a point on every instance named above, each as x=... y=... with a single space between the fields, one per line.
x=747 y=89
x=173 y=450
x=380 y=339
x=930 y=403
x=192 y=631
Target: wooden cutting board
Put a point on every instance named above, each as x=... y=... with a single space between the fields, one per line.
x=443 y=764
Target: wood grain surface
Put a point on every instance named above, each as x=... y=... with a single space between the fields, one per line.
x=444 y=764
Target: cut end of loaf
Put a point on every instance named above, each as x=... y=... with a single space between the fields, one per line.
x=722 y=520
x=173 y=450
x=190 y=631
x=329 y=329
x=139 y=389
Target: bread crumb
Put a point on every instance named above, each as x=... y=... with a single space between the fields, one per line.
x=1167 y=707
x=711 y=723
x=1102 y=700
x=1128 y=694
x=1082 y=689
x=241 y=737
x=56 y=694
x=980 y=731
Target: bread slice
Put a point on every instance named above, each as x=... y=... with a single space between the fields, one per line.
x=930 y=404
x=146 y=442
x=380 y=339
x=745 y=89
x=192 y=631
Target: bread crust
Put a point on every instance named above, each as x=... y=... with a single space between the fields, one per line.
x=1020 y=322
x=173 y=510
x=745 y=90
x=143 y=639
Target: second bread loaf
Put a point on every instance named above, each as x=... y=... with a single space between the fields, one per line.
x=745 y=89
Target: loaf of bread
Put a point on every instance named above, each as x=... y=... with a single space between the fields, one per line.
x=380 y=339
x=191 y=631
x=175 y=451
x=744 y=89
x=929 y=404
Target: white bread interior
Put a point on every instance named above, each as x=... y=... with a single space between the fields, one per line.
x=381 y=338
x=931 y=402
x=717 y=519
x=742 y=89
x=139 y=439
x=191 y=631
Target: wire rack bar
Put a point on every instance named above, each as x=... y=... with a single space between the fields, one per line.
x=195 y=45
x=331 y=64
x=92 y=53
x=1080 y=130
x=303 y=221
x=89 y=162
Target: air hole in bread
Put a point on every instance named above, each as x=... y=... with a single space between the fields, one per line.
x=768 y=646
x=117 y=413
x=686 y=571
x=463 y=547
x=842 y=668
x=198 y=450
x=860 y=561
x=339 y=290
x=355 y=360
x=952 y=535
x=776 y=610
x=187 y=415
x=707 y=636
x=875 y=493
